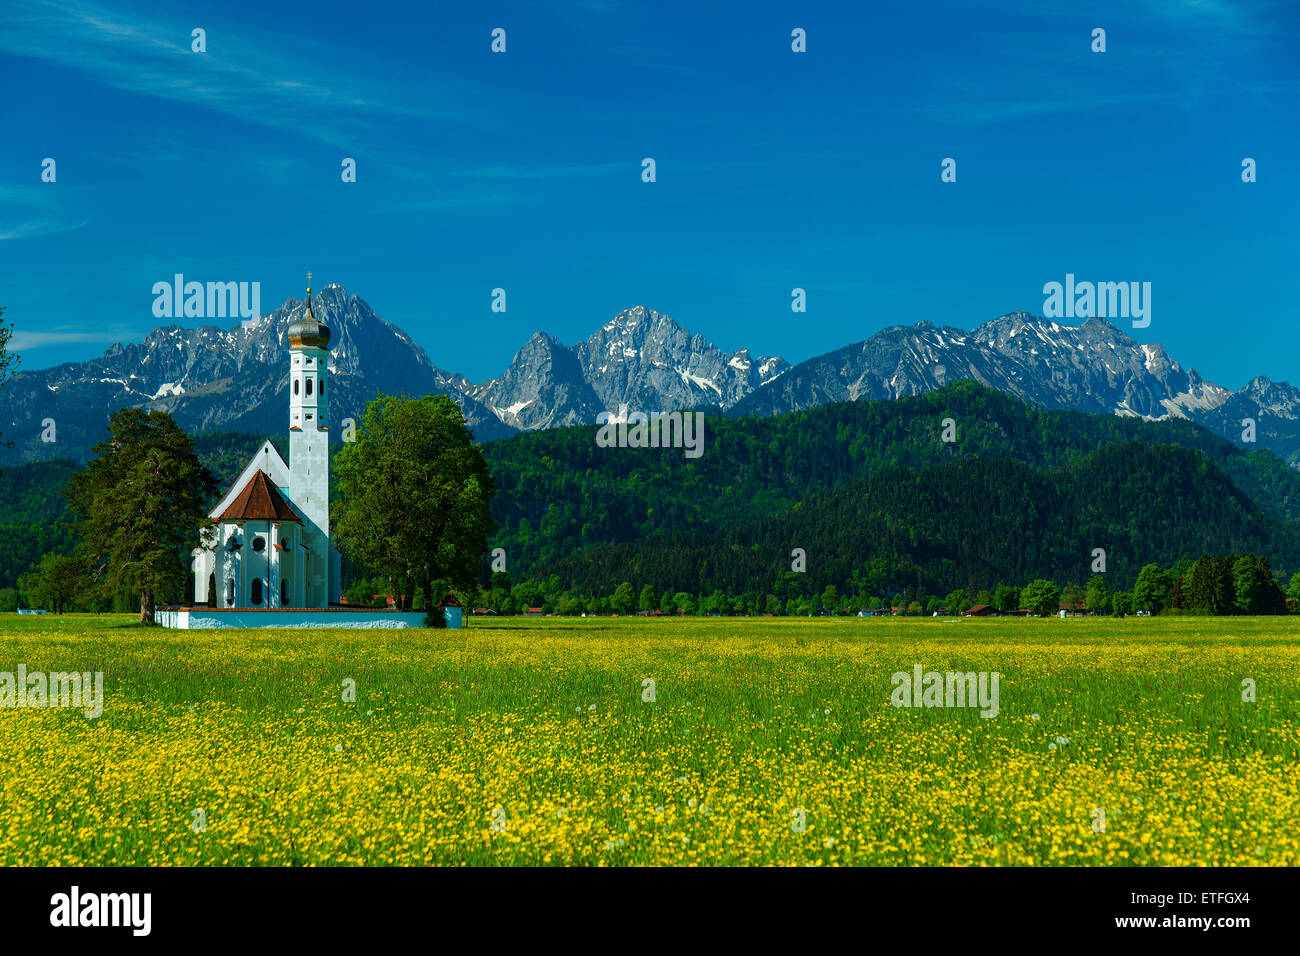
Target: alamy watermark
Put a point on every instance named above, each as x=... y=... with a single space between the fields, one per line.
x=656 y=430
x=215 y=300
x=129 y=910
x=1103 y=300
x=60 y=689
x=946 y=689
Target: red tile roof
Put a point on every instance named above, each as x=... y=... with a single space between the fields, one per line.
x=259 y=501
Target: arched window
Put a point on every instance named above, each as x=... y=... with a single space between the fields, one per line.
x=230 y=592
x=255 y=594
x=308 y=386
x=259 y=543
x=284 y=592
x=295 y=386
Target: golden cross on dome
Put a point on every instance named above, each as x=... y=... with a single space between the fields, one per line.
x=309 y=282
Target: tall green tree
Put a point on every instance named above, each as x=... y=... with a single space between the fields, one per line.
x=1042 y=597
x=138 y=507
x=646 y=600
x=1097 y=595
x=1210 y=585
x=624 y=599
x=1151 y=592
x=1245 y=587
x=1121 y=604
x=415 y=495
x=1006 y=598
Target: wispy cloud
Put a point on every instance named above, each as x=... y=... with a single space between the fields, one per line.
x=40 y=227
x=44 y=215
x=152 y=57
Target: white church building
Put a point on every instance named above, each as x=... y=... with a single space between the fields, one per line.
x=267 y=559
x=269 y=546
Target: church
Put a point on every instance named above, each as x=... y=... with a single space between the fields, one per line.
x=269 y=544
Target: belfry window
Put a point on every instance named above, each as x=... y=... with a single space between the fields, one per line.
x=255 y=594
x=295 y=386
x=308 y=386
x=230 y=591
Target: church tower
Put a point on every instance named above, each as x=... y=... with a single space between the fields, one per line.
x=309 y=479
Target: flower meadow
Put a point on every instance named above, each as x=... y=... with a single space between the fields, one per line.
x=631 y=741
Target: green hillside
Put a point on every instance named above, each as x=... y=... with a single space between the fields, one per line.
x=972 y=523
x=560 y=495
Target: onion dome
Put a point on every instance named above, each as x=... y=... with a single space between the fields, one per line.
x=308 y=331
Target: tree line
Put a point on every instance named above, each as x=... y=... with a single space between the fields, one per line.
x=1211 y=584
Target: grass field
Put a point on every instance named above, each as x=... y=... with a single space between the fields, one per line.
x=529 y=742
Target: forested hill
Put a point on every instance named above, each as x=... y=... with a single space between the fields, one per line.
x=971 y=523
x=559 y=494
x=1019 y=490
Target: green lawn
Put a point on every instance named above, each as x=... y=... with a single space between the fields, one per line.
x=528 y=741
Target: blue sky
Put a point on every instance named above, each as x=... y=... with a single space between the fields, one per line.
x=523 y=170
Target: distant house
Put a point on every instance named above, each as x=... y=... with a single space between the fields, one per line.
x=982 y=610
x=484 y=611
x=533 y=612
x=1075 y=608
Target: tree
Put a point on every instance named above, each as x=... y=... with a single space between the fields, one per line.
x=1269 y=597
x=1042 y=597
x=53 y=582
x=1151 y=592
x=1121 y=603
x=8 y=600
x=139 y=505
x=666 y=603
x=934 y=604
x=415 y=494
x=624 y=599
x=1097 y=596
x=831 y=599
x=1245 y=587
x=1006 y=598
x=1293 y=589
x=685 y=603
x=983 y=598
x=957 y=602
x=646 y=602
x=1209 y=588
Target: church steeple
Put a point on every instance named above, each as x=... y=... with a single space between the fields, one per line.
x=308 y=331
x=309 y=355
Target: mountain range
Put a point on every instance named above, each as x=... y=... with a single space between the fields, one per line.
x=212 y=378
